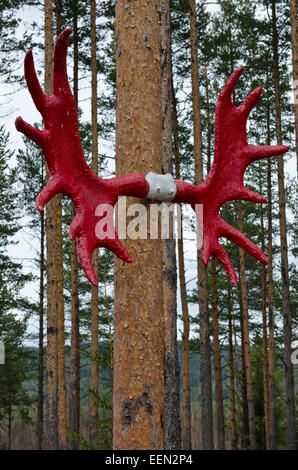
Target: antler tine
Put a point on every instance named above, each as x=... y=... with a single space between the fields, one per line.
x=252 y=99
x=257 y=152
x=85 y=257
x=118 y=249
x=242 y=241
x=219 y=253
x=38 y=136
x=60 y=78
x=34 y=87
x=227 y=91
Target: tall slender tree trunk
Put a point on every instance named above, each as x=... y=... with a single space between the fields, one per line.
x=264 y=325
x=248 y=367
x=94 y=290
x=286 y=308
x=74 y=378
x=58 y=16
x=41 y=335
x=220 y=420
x=9 y=417
x=294 y=40
x=245 y=421
x=237 y=384
x=186 y=404
x=271 y=353
x=209 y=135
x=62 y=399
x=171 y=421
x=138 y=390
x=232 y=384
x=205 y=359
x=53 y=246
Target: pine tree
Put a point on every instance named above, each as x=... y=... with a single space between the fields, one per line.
x=94 y=290
x=287 y=318
x=186 y=405
x=294 y=38
x=206 y=386
x=172 y=428
x=13 y=395
x=138 y=389
x=31 y=175
x=52 y=263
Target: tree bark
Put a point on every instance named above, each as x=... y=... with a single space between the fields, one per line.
x=74 y=378
x=220 y=420
x=138 y=391
x=206 y=384
x=62 y=398
x=294 y=40
x=264 y=327
x=232 y=384
x=271 y=353
x=40 y=336
x=171 y=422
x=245 y=422
x=248 y=367
x=286 y=307
x=58 y=15
x=93 y=412
x=53 y=247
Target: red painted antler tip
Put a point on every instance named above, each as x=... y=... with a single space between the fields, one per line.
x=18 y=123
x=226 y=93
x=29 y=55
x=65 y=34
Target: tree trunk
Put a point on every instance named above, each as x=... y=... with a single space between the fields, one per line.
x=245 y=423
x=264 y=323
x=53 y=247
x=220 y=420
x=186 y=405
x=74 y=378
x=138 y=391
x=171 y=421
x=271 y=355
x=58 y=15
x=40 y=337
x=9 y=426
x=248 y=368
x=94 y=290
x=232 y=384
x=294 y=40
x=286 y=308
x=237 y=389
x=62 y=399
x=206 y=384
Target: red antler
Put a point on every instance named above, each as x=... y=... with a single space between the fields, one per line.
x=224 y=182
x=69 y=172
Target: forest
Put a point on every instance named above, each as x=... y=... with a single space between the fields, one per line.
x=167 y=352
